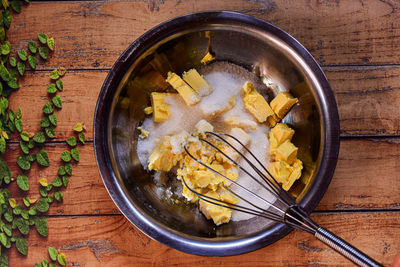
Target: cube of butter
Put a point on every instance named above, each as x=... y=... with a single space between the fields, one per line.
x=245 y=124
x=272 y=120
x=202 y=178
x=207 y=58
x=162 y=158
x=197 y=82
x=282 y=103
x=160 y=108
x=217 y=213
x=281 y=171
x=287 y=151
x=294 y=175
x=255 y=103
x=188 y=94
x=279 y=134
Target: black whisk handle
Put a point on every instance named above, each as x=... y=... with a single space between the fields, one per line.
x=345 y=248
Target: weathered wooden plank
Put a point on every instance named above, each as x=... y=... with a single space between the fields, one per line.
x=367 y=100
x=366 y=177
x=93 y=34
x=113 y=241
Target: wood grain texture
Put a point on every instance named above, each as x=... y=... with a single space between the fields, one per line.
x=366 y=178
x=93 y=34
x=113 y=241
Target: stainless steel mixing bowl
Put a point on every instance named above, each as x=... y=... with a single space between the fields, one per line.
x=179 y=44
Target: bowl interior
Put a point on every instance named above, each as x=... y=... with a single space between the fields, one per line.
x=257 y=51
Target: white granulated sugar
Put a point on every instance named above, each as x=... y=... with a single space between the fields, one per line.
x=226 y=80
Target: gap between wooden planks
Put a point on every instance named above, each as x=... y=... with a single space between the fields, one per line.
x=114 y=241
x=92 y=34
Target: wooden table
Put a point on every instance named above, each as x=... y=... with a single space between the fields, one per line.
x=356 y=43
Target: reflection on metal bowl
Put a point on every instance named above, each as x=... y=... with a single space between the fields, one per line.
x=179 y=44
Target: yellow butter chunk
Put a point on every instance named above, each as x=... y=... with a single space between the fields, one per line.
x=282 y=103
x=148 y=110
x=217 y=213
x=286 y=174
x=281 y=171
x=188 y=94
x=272 y=120
x=162 y=158
x=245 y=124
x=255 y=103
x=189 y=195
x=279 y=134
x=202 y=178
x=207 y=58
x=160 y=108
x=143 y=133
x=287 y=151
x=197 y=82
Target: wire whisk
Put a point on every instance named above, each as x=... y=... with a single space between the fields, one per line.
x=283 y=210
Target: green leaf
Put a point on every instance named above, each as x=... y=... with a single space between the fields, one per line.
x=21 y=68
x=75 y=154
x=42 y=38
x=50 y=43
x=61 y=170
x=31 y=144
x=65 y=180
x=8 y=215
x=19 y=113
x=39 y=137
x=22 y=245
x=3 y=239
x=57 y=182
x=25 y=136
x=42 y=205
x=17 y=210
x=50 y=132
x=24 y=214
x=32 y=47
x=18 y=125
x=42 y=158
x=58 y=196
x=66 y=156
x=22 y=225
x=54 y=75
x=4 y=74
x=68 y=168
x=45 y=263
x=13 y=83
x=26 y=201
x=45 y=122
x=7 y=229
x=7 y=18
x=57 y=101
x=53 y=119
x=52 y=264
x=60 y=85
x=50 y=199
x=32 y=61
x=53 y=253
x=13 y=62
x=23 y=162
x=24 y=147
x=23 y=182
x=42 y=191
x=32 y=157
x=5 y=48
x=38 y=265
x=2 y=33
x=16 y=6
x=43 y=52
x=32 y=211
x=41 y=225
x=22 y=55
x=51 y=89
x=61 y=259
x=71 y=141
x=47 y=108
x=2 y=144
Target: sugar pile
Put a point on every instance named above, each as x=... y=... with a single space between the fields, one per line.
x=227 y=80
